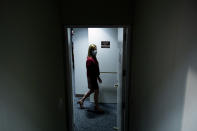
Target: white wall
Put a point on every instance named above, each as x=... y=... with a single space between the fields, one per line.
x=107 y=57
x=164 y=66
x=31 y=67
x=108 y=61
x=80 y=43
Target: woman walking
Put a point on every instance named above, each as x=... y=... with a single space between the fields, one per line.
x=93 y=73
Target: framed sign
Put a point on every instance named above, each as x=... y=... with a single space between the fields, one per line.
x=105 y=44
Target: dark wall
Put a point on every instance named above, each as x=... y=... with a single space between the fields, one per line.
x=164 y=65
x=102 y=12
x=31 y=69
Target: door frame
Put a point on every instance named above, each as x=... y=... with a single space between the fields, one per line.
x=126 y=76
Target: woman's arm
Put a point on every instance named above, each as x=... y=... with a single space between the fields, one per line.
x=99 y=79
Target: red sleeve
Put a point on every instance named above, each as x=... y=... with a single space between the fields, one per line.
x=90 y=67
x=89 y=63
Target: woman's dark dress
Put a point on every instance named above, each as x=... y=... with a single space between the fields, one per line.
x=92 y=72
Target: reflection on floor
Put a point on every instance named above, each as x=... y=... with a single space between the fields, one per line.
x=89 y=120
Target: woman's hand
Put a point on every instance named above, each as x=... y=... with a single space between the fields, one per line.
x=99 y=79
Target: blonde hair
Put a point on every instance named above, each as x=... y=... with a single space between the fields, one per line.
x=90 y=49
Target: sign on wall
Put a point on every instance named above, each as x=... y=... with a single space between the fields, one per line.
x=105 y=44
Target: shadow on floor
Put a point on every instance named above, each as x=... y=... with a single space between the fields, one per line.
x=90 y=120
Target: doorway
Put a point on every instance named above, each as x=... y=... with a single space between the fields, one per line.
x=112 y=43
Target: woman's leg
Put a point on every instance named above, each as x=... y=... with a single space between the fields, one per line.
x=84 y=97
x=96 y=94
